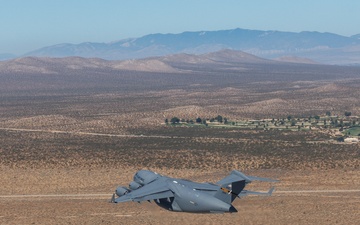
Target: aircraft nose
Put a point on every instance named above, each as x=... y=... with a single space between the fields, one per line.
x=232 y=209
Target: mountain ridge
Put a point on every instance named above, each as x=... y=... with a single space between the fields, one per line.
x=176 y=63
x=266 y=44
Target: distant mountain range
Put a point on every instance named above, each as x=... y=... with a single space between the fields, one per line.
x=4 y=56
x=325 y=48
x=177 y=63
x=357 y=36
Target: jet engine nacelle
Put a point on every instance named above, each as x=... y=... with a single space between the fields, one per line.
x=143 y=177
x=120 y=191
x=134 y=185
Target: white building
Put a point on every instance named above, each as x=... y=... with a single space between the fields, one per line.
x=351 y=140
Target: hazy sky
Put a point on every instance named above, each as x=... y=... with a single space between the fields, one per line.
x=26 y=25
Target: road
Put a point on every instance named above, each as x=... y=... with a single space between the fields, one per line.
x=127 y=135
x=108 y=195
x=85 y=133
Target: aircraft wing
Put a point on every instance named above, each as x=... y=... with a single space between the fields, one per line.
x=201 y=186
x=155 y=190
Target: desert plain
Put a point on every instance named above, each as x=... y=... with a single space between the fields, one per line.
x=73 y=129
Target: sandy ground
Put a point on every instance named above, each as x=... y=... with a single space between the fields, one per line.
x=331 y=203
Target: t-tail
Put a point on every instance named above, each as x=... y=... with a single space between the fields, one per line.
x=229 y=192
x=233 y=186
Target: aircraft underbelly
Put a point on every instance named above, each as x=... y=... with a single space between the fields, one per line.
x=191 y=200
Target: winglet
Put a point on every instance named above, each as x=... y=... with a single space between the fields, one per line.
x=112 y=200
x=271 y=191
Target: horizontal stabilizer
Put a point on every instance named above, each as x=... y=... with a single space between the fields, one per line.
x=262 y=179
x=246 y=192
x=237 y=176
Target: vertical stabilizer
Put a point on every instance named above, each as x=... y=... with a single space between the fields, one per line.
x=228 y=192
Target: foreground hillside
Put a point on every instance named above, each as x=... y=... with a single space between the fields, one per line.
x=73 y=129
x=75 y=196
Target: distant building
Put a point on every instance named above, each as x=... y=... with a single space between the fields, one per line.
x=351 y=140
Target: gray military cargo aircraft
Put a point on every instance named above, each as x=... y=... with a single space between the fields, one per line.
x=187 y=196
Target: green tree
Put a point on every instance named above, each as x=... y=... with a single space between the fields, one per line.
x=225 y=120
x=328 y=113
x=219 y=119
x=174 y=120
x=340 y=139
x=317 y=117
x=347 y=113
x=166 y=121
x=289 y=117
x=198 y=120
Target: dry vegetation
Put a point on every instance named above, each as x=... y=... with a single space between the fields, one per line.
x=66 y=119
